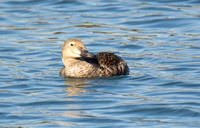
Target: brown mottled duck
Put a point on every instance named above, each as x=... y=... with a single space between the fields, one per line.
x=78 y=62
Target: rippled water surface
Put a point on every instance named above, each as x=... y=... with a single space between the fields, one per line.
x=160 y=41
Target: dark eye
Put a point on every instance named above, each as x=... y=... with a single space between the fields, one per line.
x=72 y=44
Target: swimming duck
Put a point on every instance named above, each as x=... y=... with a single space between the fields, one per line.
x=78 y=62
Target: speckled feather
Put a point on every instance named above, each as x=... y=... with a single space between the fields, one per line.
x=112 y=64
x=108 y=59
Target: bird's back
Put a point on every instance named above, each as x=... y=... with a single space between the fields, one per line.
x=111 y=64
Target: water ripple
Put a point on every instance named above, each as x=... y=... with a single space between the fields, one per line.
x=158 y=39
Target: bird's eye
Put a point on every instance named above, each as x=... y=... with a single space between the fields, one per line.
x=72 y=44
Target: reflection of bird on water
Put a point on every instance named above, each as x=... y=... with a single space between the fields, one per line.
x=76 y=86
x=78 y=62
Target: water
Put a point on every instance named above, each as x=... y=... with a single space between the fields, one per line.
x=159 y=40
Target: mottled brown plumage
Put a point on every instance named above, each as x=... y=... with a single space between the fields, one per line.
x=108 y=59
x=78 y=62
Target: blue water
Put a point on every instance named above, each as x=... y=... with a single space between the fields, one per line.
x=160 y=41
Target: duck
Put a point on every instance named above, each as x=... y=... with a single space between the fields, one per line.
x=80 y=63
